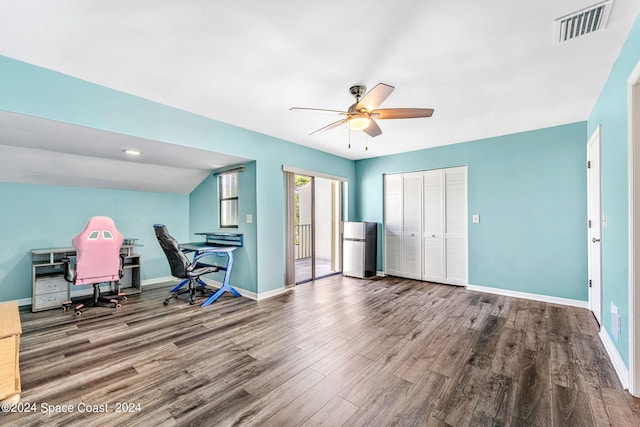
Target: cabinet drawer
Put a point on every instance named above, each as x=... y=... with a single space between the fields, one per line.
x=51 y=285
x=51 y=300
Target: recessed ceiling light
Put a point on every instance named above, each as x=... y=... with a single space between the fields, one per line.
x=132 y=152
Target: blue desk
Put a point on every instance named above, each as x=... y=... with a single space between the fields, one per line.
x=207 y=249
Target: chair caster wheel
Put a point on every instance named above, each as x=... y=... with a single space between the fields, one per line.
x=118 y=305
x=166 y=302
x=191 y=302
x=124 y=298
x=78 y=313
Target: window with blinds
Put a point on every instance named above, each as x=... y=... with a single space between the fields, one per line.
x=228 y=189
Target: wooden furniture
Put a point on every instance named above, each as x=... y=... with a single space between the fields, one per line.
x=10 y=331
x=50 y=289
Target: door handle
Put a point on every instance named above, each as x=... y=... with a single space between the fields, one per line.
x=594 y=240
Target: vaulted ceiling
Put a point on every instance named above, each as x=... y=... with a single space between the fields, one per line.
x=487 y=68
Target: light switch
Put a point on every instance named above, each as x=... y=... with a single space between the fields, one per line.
x=476 y=219
x=249 y=218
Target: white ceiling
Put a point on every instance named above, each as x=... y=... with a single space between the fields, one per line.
x=487 y=67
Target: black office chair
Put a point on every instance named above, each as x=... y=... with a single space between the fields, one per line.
x=182 y=267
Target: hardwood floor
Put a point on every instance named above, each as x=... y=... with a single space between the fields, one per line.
x=335 y=352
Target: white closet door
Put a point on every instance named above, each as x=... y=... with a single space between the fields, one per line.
x=456 y=225
x=393 y=224
x=412 y=225
x=433 y=226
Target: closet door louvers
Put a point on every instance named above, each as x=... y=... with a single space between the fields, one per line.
x=456 y=225
x=412 y=225
x=393 y=224
x=433 y=226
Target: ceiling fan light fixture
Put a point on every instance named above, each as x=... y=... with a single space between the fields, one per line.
x=359 y=123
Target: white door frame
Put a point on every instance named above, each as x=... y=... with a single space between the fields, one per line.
x=633 y=100
x=594 y=230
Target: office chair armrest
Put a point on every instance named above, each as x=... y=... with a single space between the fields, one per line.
x=69 y=270
x=199 y=265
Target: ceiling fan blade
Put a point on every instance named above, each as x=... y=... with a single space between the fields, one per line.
x=402 y=113
x=316 y=110
x=329 y=127
x=373 y=129
x=375 y=97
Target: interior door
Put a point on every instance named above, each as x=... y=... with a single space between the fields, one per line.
x=594 y=225
x=412 y=225
x=433 y=226
x=455 y=237
x=393 y=224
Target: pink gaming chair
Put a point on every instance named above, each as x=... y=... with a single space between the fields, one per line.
x=97 y=261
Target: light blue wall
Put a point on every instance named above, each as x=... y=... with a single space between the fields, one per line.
x=530 y=192
x=42 y=216
x=610 y=112
x=32 y=90
x=204 y=216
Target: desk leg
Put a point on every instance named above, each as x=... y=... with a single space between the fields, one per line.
x=225 y=283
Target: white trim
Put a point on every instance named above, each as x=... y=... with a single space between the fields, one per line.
x=526 y=295
x=269 y=294
x=616 y=359
x=306 y=172
x=634 y=234
x=157 y=280
x=380 y=274
x=85 y=292
x=248 y=294
x=595 y=221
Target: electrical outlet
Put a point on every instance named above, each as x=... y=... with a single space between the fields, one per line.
x=249 y=218
x=476 y=218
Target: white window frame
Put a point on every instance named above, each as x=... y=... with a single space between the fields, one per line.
x=232 y=199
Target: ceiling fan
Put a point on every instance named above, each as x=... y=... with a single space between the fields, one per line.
x=361 y=115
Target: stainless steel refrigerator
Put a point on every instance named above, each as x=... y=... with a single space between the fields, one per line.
x=359 y=240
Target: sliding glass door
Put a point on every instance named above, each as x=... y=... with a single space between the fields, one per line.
x=304 y=260
x=317 y=215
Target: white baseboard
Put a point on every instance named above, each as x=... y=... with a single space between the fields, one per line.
x=157 y=280
x=616 y=359
x=526 y=295
x=149 y=282
x=248 y=294
x=380 y=274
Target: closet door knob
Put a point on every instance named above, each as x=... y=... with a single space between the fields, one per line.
x=594 y=240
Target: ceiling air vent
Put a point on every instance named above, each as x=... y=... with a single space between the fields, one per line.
x=582 y=22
